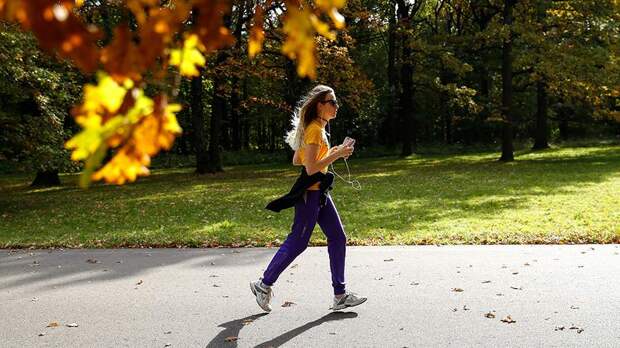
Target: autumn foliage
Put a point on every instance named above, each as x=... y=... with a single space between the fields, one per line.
x=115 y=113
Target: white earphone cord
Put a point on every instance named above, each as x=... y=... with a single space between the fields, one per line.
x=354 y=183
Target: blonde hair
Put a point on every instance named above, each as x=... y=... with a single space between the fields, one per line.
x=305 y=112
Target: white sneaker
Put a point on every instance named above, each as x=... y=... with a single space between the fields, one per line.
x=348 y=300
x=263 y=294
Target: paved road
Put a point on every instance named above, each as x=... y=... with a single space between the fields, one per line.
x=557 y=296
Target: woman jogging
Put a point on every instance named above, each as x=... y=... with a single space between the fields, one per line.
x=313 y=203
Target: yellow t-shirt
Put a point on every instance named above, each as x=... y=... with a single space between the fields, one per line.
x=314 y=134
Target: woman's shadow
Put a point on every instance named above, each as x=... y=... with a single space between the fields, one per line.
x=232 y=329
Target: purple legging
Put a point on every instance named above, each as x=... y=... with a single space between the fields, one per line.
x=307 y=214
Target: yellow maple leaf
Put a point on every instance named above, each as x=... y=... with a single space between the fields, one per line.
x=299 y=42
x=331 y=8
x=152 y=132
x=188 y=57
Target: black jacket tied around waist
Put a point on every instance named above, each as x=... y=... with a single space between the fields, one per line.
x=299 y=188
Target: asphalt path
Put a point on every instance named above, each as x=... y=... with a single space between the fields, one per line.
x=418 y=296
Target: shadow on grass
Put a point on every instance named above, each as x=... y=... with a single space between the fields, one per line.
x=176 y=206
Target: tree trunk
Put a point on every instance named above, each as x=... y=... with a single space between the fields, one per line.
x=406 y=107
x=390 y=127
x=507 y=132
x=234 y=117
x=563 y=125
x=293 y=85
x=407 y=130
x=198 y=125
x=541 y=135
x=46 y=178
x=448 y=127
x=235 y=99
x=245 y=123
x=218 y=109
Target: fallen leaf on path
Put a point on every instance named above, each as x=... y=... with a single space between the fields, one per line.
x=93 y=261
x=34 y=299
x=140 y=282
x=574 y=307
x=216 y=286
x=490 y=315
x=559 y=328
x=287 y=304
x=414 y=283
x=508 y=320
x=465 y=308
x=457 y=290
x=247 y=321
x=515 y=272
x=499 y=294
x=515 y=288
x=42 y=334
x=167 y=332
x=53 y=324
x=295 y=265
x=388 y=260
x=486 y=281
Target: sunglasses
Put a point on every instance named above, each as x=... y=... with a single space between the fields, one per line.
x=331 y=101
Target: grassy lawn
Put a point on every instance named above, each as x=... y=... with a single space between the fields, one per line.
x=562 y=195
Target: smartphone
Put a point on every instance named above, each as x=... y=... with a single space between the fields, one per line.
x=348 y=141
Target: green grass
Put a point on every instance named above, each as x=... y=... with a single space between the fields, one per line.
x=562 y=195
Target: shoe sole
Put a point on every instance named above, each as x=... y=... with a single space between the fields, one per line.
x=254 y=292
x=348 y=306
